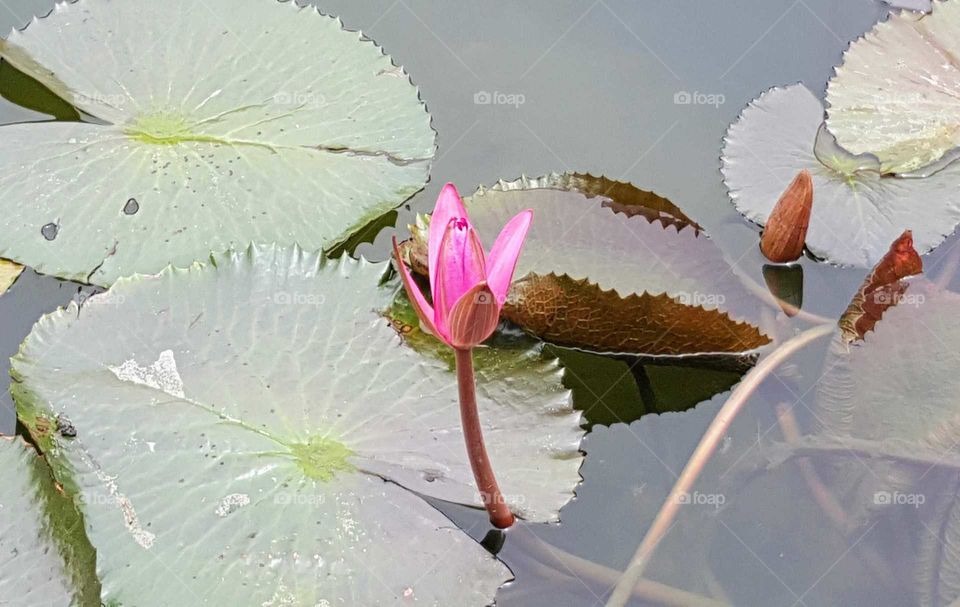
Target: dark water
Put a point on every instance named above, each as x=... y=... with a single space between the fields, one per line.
x=598 y=81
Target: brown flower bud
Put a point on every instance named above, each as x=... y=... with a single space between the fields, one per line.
x=786 y=229
x=882 y=289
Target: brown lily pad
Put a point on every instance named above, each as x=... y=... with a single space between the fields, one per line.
x=580 y=314
x=608 y=267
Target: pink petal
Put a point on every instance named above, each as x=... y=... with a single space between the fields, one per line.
x=473 y=318
x=460 y=266
x=505 y=252
x=417 y=300
x=449 y=206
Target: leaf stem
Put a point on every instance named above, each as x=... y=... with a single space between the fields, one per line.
x=701 y=455
x=500 y=515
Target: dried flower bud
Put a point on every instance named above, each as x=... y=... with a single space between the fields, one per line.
x=786 y=229
x=882 y=289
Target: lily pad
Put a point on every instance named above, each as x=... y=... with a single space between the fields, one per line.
x=608 y=267
x=44 y=556
x=897 y=383
x=913 y=5
x=218 y=124
x=893 y=397
x=857 y=212
x=897 y=94
x=254 y=428
x=9 y=273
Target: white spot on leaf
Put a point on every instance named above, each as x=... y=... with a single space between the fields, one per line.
x=161 y=375
x=232 y=502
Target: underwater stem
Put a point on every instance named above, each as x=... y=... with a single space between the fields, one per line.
x=602 y=577
x=500 y=515
x=701 y=455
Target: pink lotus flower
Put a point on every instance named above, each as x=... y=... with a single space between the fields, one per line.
x=468 y=287
x=468 y=290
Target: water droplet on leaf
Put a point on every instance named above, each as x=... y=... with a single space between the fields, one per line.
x=50 y=231
x=131 y=207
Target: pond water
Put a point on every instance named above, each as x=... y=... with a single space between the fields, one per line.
x=599 y=87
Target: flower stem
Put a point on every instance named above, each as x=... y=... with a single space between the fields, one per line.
x=500 y=515
x=711 y=439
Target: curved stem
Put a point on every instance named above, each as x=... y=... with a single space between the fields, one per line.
x=500 y=515
x=705 y=449
x=827 y=502
x=577 y=567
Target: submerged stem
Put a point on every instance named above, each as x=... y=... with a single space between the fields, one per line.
x=701 y=455
x=500 y=515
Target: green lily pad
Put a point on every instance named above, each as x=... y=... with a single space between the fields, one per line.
x=857 y=211
x=218 y=124
x=608 y=267
x=896 y=94
x=257 y=427
x=45 y=558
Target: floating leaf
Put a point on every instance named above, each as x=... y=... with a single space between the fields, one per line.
x=913 y=5
x=44 y=556
x=578 y=313
x=896 y=386
x=857 y=212
x=911 y=351
x=938 y=561
x=9 y=272
x=24 y=91
x=897 y=94
x=607 y=389
x=609 y=267
x=221 y=123
x=257 y=427
x=896 y=391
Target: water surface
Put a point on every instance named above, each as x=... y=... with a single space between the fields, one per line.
x=600 y=87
